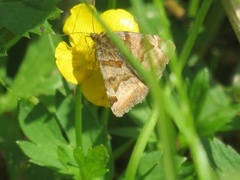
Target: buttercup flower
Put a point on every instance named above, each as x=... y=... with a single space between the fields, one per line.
x=77 y=62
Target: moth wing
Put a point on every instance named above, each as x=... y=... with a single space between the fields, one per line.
x=124 y=88
x=147 y=49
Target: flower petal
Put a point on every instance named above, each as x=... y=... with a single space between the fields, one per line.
x=70 y=65
x=81 y=23
x=94 y=90
x=119 y=20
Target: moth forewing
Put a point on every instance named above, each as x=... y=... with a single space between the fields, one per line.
x=123 y=85
x=154 y=58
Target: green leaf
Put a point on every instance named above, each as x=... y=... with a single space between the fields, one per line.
x=150 y=167
x=13 y=156
x=140 y=113
x=217 y=120
x=41 y=154
x=216 y=113
x=38 y=173
x=198 y=92
x=7 y=40
x=48 y=147
x=35 y=75
x=94 y=163
x=187 y=171
x=233 y=125
x=94 y=133
x=65 y=156
x=225 y=160
x=38 y=125
x=65 y=115
x=21 y=17
x=42 y=129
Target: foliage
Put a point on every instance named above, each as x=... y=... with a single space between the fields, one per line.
x=187 y=128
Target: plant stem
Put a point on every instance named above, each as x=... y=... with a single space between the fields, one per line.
x=78 y=115
x=193 y=8
x=140 y=145
x=166 y=140
x=193 y=33
x=232 y=9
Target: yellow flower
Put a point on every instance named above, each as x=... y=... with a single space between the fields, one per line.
x=77 y=62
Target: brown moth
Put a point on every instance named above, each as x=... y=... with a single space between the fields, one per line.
x=124 y=87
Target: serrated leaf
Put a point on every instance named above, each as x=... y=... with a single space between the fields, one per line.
x=18 y=18
x=48 y=146
x=94 y=163
x=217 y=120
x=94 y=133
x=7 y=40
x=217 y=112
x=225 y=160
x=97 y=159
x=46 y=155
x=65 y=156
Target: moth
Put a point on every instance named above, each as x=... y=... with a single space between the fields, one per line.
x=123 y=85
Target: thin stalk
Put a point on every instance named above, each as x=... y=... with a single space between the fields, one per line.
x=184 y=120
x=78 y=116
x=232 y=9
x=193 y=8
x=147 y=129
x=164 y=126
x=166 y=138
x=140 y=145
x=193 y=33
